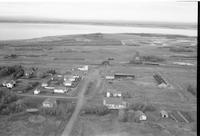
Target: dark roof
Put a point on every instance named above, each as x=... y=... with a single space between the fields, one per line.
x=116 y=101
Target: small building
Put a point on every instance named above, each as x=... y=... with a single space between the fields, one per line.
x=123 y=75
x=9 y=84
x=140 y=116
x=60 y=89
x=36 y=91
x=114 y=103
x=110 y=77
x=44 y=84
x=84 y=68
x=67 y=83
x=113 y=93
x=49 y=103
x=164 y=114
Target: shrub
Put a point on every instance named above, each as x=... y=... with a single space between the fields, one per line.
x=191 y=89
x=152 y=58
x=98 y=110
x=142 y=107
x=179 y=49
x=9 y=103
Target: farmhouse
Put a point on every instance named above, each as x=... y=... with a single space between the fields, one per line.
x=113 y=93
x=123 y=75
x=60 y=89
x=44 y=84
x=84 y=68
x=49 y=103
x=67 y=83
x=114 y=103
x=109 y=77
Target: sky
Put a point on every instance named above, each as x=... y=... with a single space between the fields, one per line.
x=123 y=10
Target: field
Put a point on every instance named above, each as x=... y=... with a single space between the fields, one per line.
x=64 y=53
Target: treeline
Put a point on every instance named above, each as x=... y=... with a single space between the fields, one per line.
x=15 y=71
x=9 y=103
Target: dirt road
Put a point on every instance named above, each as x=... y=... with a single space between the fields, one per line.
x=91 y=76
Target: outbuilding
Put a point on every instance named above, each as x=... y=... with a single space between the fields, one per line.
x=140 y=116
x=164 y=114
x=49 y=103
x=114 y=103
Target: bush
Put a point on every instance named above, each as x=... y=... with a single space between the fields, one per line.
x=191 y=89
x=179 y=49
x=142 y=107
x=16 y=70
x=152 y=58
x=9 y=103
x=98 y=110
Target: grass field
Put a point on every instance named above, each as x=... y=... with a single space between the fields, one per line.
x=66 y=52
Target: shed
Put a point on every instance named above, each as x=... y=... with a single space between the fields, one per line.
x=164 y=114
x=49 y=103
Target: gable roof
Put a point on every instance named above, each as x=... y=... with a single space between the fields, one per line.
x=115 y=101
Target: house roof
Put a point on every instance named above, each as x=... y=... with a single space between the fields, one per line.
x=60 y=88
x=116 y=101
x=113 y=91
x=50 y=100
x=139 y=113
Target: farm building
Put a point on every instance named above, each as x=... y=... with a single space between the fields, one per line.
x=113 y=93
x=44 y=84
x=67 y=83
x=161 y=82
x=84 y=68
x=164 y=114
x=123 y=75
x=60 y=89
x=140 y=116
x=9 y=84
x=114 y=103
x=49 y=103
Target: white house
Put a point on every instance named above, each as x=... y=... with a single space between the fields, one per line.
x=36 y=91
x=114 y=103
x=84 y=68
x=110 y=77
x=67 y=83
x=60 y=89
x=49 y=103
x=113 y=93
x=44 y=84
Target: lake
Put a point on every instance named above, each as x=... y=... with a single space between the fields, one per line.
x=12 y=31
